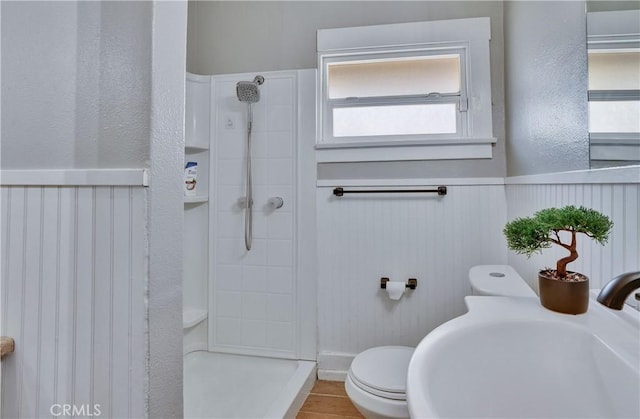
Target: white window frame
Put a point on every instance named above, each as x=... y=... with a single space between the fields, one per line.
x=467 y=37
x=614 y=31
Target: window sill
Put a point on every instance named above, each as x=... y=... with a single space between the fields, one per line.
x=441 y=149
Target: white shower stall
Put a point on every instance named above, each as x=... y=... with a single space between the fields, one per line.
x=250 y=315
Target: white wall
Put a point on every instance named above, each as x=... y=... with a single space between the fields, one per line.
x=73 y=298
x=545 y=59
x=75 y=84
x=619 y=201
x=95 y=85
x=435 y=239
x=362 y=238
x=165 y=206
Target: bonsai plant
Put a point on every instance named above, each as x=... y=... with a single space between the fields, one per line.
x=560 y=290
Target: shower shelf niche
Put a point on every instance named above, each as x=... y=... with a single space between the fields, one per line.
x=201 y=157
x=195 y=199
x=196 y=215
x=193 y=147
x=192 y=317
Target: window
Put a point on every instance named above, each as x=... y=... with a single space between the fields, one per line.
x=614 y=104
x=405 y=85
x=614 y=87
x=419 y=95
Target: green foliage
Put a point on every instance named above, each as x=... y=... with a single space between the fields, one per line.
x=581 y=220
x=526 y=236
x=532 y=234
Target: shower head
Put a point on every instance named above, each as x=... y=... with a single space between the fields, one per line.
x=248 y=91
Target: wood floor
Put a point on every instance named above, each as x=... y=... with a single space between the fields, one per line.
x=328 y=400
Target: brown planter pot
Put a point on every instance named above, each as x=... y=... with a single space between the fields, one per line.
x=562 y=296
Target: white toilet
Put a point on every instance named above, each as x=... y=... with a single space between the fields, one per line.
x=376 y=382
x=498 y=280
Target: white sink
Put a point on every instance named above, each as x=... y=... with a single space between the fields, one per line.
x=512 y=358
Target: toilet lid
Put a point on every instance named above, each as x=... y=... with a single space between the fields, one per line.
x=382 y=370
x=498 y=280
x=501 y=286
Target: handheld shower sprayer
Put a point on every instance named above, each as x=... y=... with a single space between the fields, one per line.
x=248 y=92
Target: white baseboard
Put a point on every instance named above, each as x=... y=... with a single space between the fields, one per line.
x=333 y=366
x=327 y=375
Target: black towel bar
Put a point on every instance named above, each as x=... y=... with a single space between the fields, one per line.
x=441 y=190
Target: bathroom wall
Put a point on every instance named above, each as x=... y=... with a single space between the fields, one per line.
x=538 y=60
x=545 y=60
x=165 y=209
x=232 y=37
x=610 y=5
x=92 y=114
x=435 y=239
x=73 y=298
x=75 y=84
x=538 y=52
x=281 y=35
x=617 y=195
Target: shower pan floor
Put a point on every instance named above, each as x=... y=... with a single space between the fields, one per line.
x=218 y=385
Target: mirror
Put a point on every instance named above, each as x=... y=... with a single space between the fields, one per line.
x=613 y=47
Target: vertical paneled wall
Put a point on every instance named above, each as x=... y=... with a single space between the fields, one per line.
x=620 y=202
x=253 y=293
x=435 y=239
x=73 y=298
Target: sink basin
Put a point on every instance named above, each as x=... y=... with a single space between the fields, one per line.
x=511 y=358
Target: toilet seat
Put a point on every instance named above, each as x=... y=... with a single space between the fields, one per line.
x=382 y=371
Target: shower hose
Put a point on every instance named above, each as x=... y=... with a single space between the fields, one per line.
x=248 y=203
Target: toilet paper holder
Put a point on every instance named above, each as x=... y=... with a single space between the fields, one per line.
x=412 y=283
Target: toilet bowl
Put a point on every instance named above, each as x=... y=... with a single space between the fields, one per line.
x=376 y=382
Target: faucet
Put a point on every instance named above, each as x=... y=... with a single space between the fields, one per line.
x=618 y=289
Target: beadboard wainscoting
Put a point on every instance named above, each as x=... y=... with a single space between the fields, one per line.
x=435 y=239
x=73 y=297
x=620 y=201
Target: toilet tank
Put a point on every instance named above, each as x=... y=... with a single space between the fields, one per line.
x=498 y=280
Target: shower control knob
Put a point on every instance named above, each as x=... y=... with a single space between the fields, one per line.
x=276 y=202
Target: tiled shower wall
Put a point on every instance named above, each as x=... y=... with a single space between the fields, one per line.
x=253 y=293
